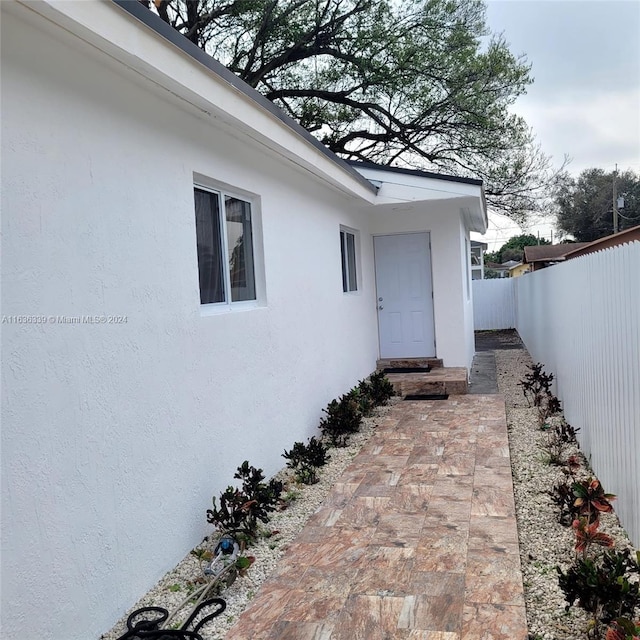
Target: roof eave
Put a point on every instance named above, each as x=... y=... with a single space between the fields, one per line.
x=170 y=35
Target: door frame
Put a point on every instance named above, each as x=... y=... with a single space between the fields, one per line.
x=375 y=278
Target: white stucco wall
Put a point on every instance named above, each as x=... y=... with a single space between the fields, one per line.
x=115 y=436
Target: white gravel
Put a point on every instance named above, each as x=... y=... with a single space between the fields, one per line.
x=544 y=543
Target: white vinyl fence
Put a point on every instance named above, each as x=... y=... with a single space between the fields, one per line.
x=581 y=319
x=494 y=303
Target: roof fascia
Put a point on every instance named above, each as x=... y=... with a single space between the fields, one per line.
x=626 y=235
x=413 y=172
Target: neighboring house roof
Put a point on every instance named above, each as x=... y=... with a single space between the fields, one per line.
x=628 y=235
x=509 y=264
x=550 y=252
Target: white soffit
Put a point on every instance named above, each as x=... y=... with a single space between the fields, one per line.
x=406 y=192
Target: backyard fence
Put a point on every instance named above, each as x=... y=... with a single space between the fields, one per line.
x=581 y=319
x=494 y=303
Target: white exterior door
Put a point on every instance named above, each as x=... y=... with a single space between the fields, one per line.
x=404 y=295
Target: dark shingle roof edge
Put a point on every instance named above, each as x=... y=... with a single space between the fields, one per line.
x=414 y=172
x=550 y=252
x=154 y=22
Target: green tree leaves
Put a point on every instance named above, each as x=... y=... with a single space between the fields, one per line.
x=513 y=249
x=585 y=204
x=417 y=83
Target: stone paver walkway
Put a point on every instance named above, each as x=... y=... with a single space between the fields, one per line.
x=417 y=541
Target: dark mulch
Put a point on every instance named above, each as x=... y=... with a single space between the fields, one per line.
x=495 y=340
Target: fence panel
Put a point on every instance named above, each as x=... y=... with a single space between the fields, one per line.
x=581 y=319
x=494 y=304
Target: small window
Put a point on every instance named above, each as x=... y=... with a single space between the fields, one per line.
x=349 y=262
x=225 y=248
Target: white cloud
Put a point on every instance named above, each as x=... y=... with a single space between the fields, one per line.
x=595 y=128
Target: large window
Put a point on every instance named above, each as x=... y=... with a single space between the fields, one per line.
x=225 y=247
x=348 y=246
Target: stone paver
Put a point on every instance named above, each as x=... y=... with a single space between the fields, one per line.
x=438 y=381
x=417 y=541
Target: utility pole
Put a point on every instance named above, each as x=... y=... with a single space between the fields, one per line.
x=615 y=202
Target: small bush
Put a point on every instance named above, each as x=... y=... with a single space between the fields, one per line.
x=536 y=385
x=588 y=535
x=562 y=496
x=581 y=499
x=548 y=406
x=380 y=388
x=559 y=438
x=343 y=417
x=591 y=499
x=241 y=509
x=602 y=586
x=362 y=393
x=306 y=459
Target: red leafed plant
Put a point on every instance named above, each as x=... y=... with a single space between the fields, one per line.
x=591 y=500
x=588 y=534
x=573 y=464
x=623 y=629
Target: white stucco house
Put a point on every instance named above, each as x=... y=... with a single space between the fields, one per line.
x=188 y=277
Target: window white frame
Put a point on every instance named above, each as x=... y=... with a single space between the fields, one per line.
x=233 y=297
x=350 y=259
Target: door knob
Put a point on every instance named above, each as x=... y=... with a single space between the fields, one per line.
x=381 y=307
x=379 y=299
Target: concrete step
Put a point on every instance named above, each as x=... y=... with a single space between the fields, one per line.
x=386 y=363
x=438 y=381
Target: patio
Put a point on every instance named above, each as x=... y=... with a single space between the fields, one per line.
x=417 y=540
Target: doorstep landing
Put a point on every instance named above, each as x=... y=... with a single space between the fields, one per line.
x=438 y=381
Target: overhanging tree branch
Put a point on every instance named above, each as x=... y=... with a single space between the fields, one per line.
x=410 y=83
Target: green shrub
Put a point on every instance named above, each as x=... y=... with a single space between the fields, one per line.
x=343 y=417
x=241 y=509
x=601 y=586
x=380 y=388
x=362 y=394
x=306 y=459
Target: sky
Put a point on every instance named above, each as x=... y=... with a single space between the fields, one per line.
x=585 y=99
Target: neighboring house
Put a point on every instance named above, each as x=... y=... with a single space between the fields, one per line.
x=518 y=270
x=478 y=250
x=623 y=237
x=189 y=277
x=503 y=270
x=508 y=266
x=544 y=255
